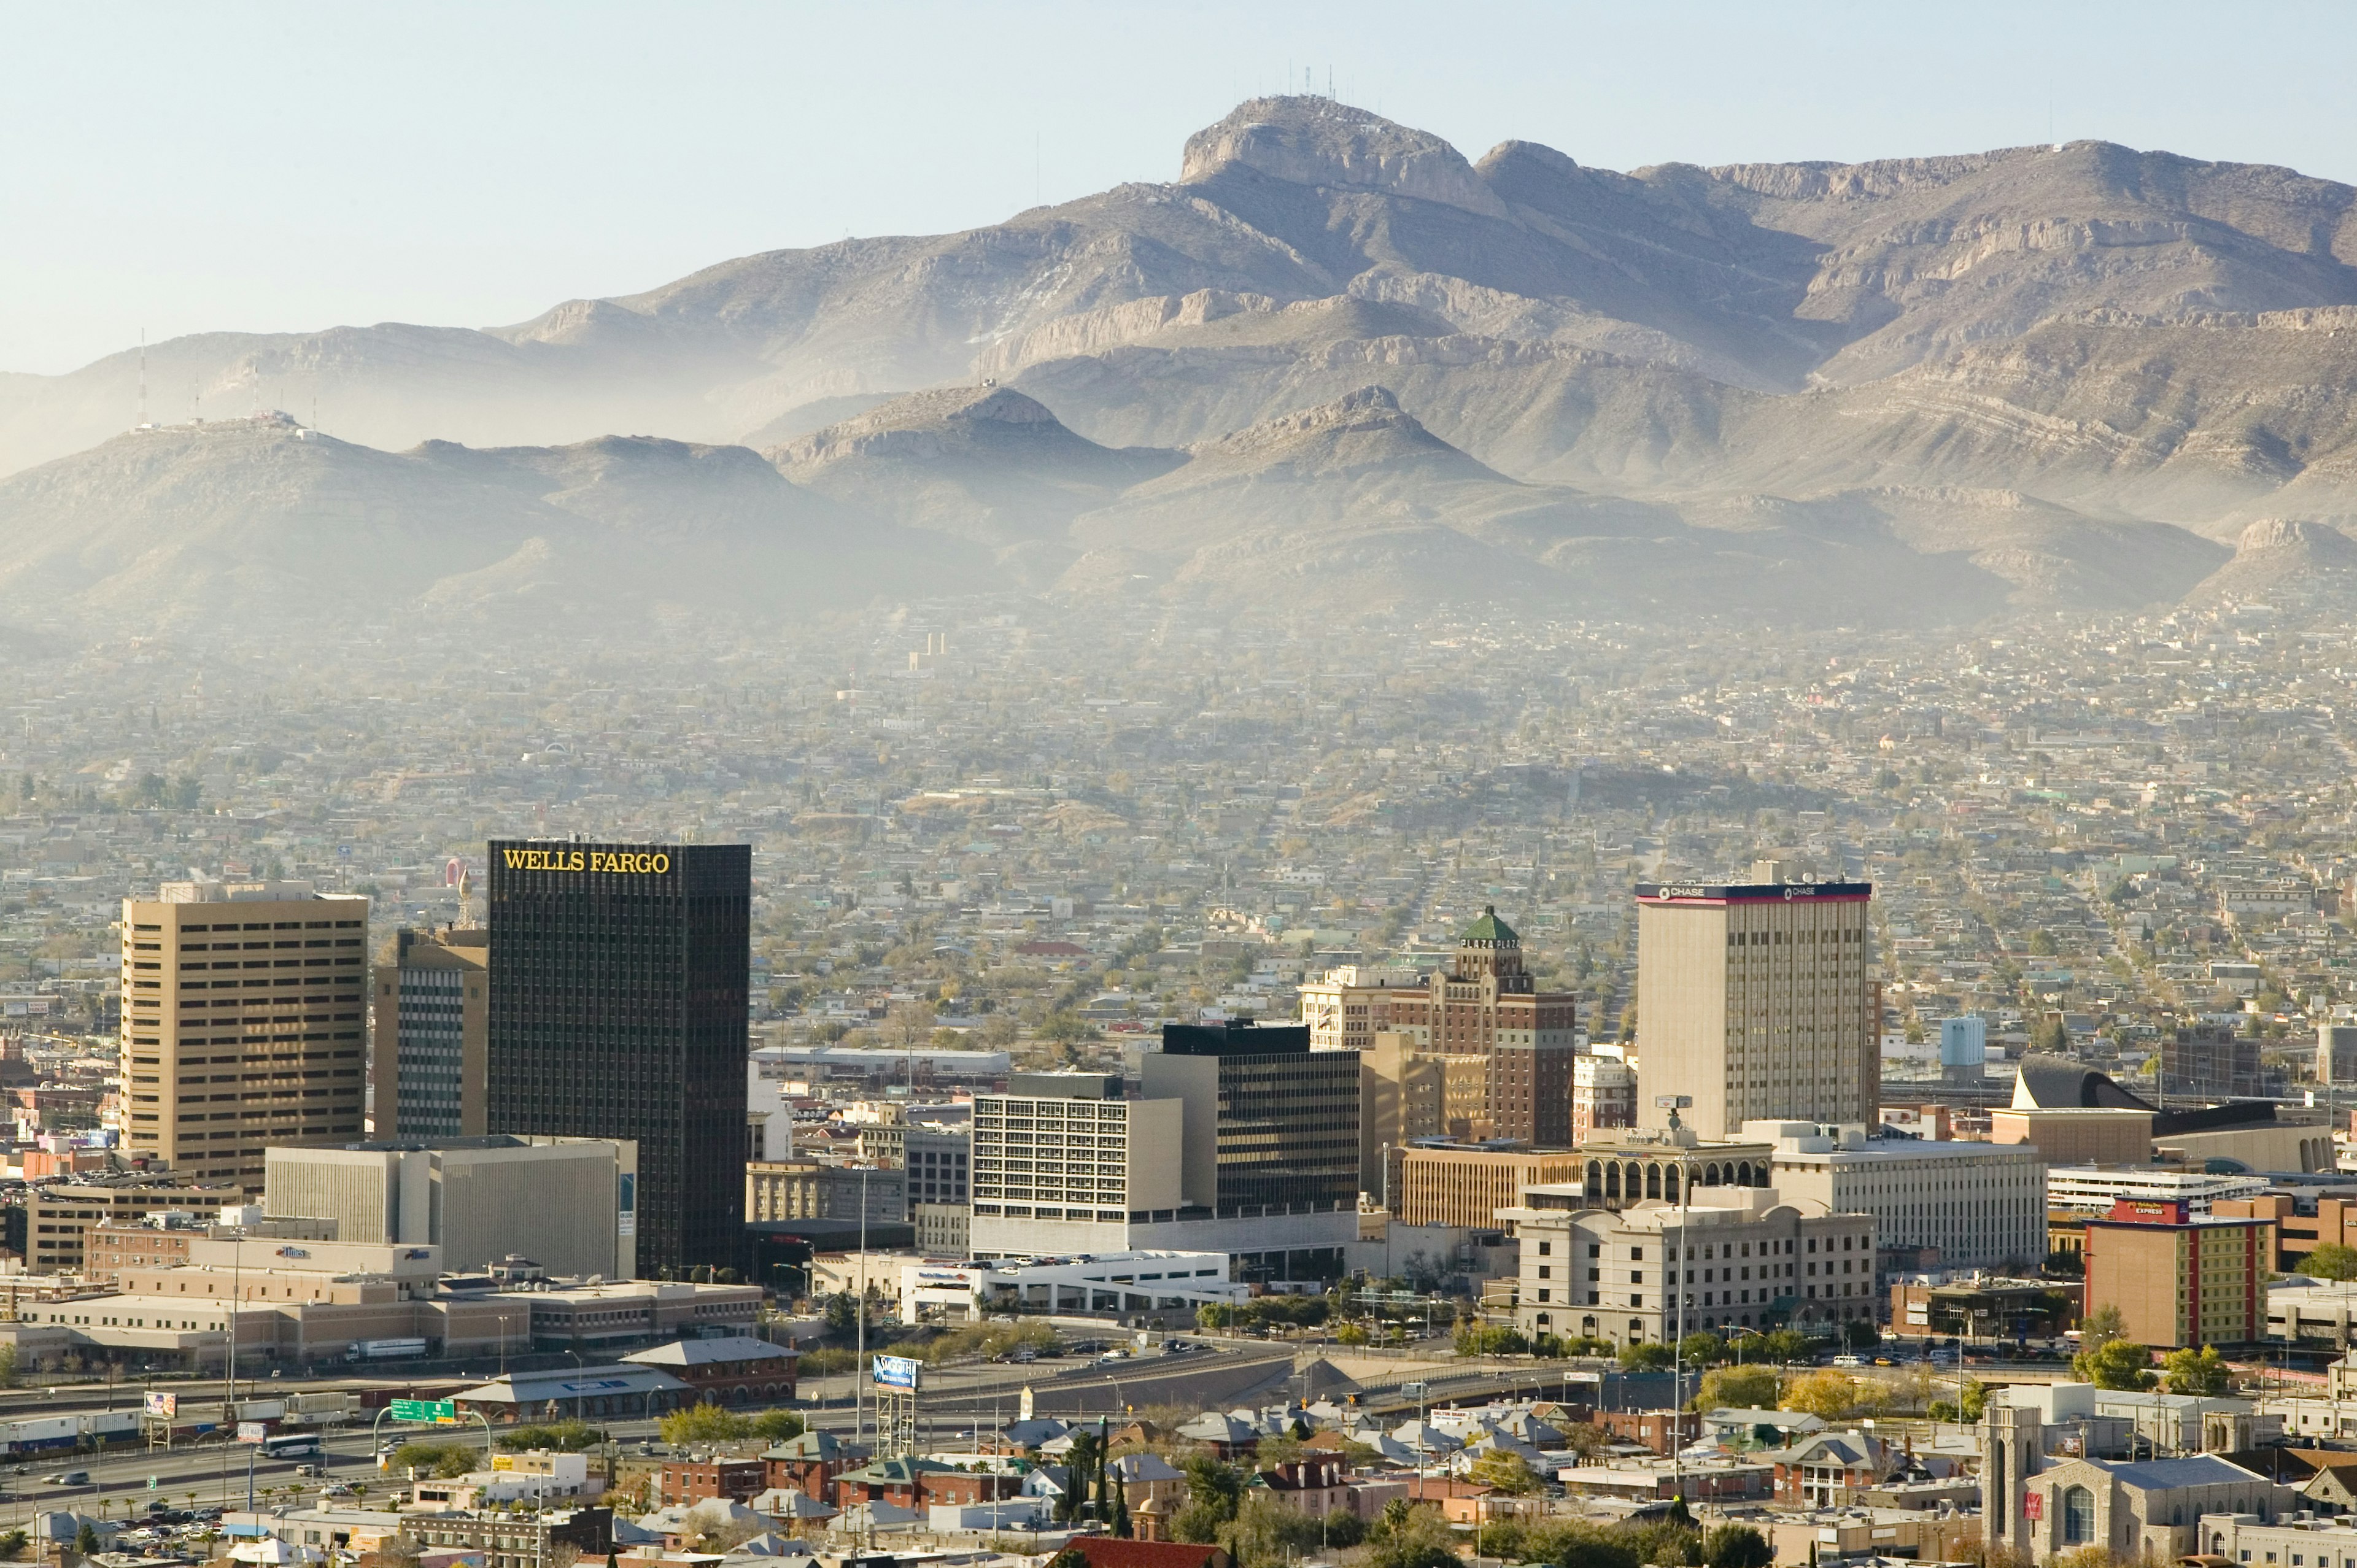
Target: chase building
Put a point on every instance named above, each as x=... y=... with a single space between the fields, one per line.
x=618 y=999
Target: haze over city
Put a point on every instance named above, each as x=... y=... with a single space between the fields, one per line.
x=1178 y=789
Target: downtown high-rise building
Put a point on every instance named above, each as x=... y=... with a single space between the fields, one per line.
x=618 y=995
x=1754 y=1003
x=244 y=1023
x=1505 y=1048
x=433 y=1035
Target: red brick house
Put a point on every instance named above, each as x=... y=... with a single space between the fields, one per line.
x=918 y=1484
x=808 y=1465
x=701 y=1480
x=738 y=1370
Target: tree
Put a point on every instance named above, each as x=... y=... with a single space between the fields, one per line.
x=2332 y=1261
x=1646 y=1358
x=1972 y=1399
x=1738 y=1387
x=1117 y=1511
x=2100 y=1326
x=778 y=1426
x=438 y=1461
x=1783 y=1345
x=1081 y=1466
x=569 y=1436
x=1421 y=1538
x=1829 y=1394
x=2120 y=1364
x=1507 y=1471
x=12 y=1544
x=842 y=1315
x=704 y=1424
x=2191 y=1371
x=1214 y=1492
x=86 y=1539
x=1704 y=1349
x=1737 y=1546
x=1860 y=1335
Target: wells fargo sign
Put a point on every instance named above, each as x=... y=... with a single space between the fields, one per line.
x=640 y=863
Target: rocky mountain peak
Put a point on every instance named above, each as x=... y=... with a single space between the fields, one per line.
x=1317 y=141
x=2290 y=533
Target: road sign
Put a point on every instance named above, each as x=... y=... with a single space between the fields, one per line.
x=424 y=1410
x=896 y=1372
x=151 y=1483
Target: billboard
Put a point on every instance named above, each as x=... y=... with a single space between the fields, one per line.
x=252 y=1430
x=896 y=1372
x=162 y=1404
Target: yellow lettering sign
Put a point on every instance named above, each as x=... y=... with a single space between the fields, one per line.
x=635 y=864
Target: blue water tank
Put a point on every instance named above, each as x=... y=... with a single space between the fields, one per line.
x=1964 y=1042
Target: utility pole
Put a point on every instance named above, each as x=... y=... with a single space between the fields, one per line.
x=859 y=1356
x=1677 y=1278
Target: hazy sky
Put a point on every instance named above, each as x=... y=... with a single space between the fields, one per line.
x=271 y=167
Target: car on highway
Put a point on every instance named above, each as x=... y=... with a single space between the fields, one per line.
x=69 y=1479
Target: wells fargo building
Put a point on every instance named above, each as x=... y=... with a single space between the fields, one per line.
x=618 y=1000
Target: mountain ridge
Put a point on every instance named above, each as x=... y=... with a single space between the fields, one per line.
x=1848 y=365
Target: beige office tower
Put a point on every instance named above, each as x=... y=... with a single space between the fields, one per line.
x=1753 y=1000
x=1399 y=1102
x=244 y=1023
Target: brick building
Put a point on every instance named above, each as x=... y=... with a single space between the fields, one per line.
x=2177 y=1280
x=701 y=1480
x=738 y=1370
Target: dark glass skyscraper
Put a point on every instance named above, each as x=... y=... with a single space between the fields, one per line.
x=617 y=993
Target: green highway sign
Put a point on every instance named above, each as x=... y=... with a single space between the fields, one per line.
x=424 y=1410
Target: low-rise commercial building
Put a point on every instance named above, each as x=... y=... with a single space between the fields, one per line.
x=2094 y=1189
x=1733 y=1257
x=2091 y=1135
x=734 y=1369
x=623 y=1391
x=815 y=1191
x=1467 y=1186
x=162 y=1239
x=1125 y=1284
x=632 y=1311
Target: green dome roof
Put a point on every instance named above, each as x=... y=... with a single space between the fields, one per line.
x=1490 y=930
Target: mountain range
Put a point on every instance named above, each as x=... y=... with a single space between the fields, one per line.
x=1336 y=364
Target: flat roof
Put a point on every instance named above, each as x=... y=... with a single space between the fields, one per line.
x=1707 y=893
x=1894 y=1151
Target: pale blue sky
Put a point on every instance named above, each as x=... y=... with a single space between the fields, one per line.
x=286 y=166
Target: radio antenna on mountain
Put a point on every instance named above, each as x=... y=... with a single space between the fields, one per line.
x=143 y=378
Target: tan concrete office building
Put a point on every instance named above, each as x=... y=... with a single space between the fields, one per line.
x=1467 y=1186
x=1754 y=1000
x=1399 y=1102
x=244 y=1023
x=565 y=1203
x=433 y=1035
x=2097 y=1135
